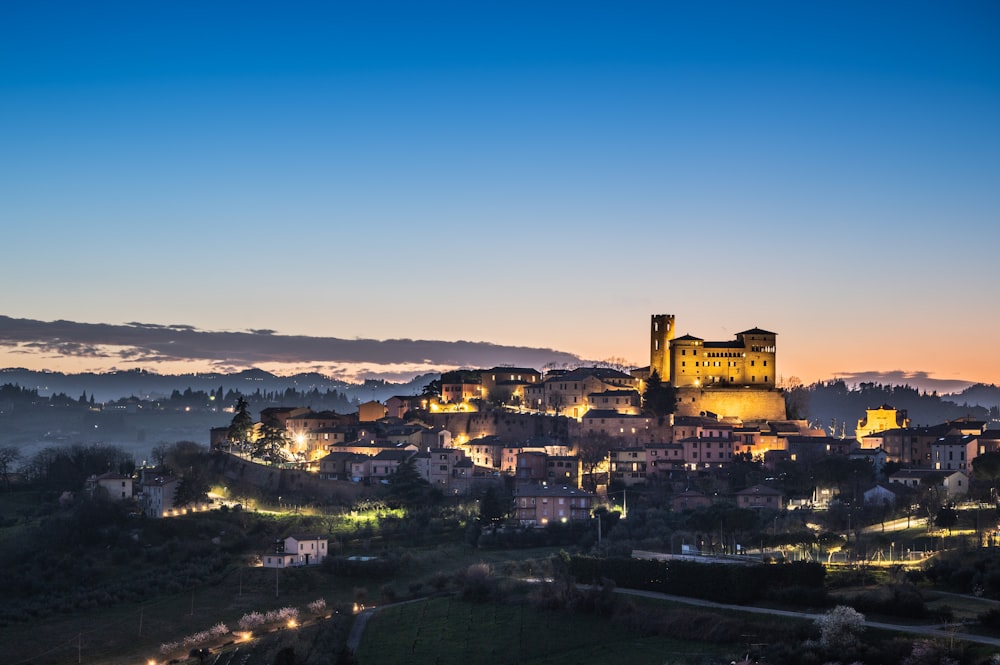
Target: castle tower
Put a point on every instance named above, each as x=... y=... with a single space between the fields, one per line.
x=661 y=331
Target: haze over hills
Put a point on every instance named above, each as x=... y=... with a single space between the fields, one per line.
x=150 y=385
x=183 y=349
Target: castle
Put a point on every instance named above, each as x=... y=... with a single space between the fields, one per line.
x=734 y=379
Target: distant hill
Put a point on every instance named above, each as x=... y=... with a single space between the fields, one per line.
x=836 y=408
x=980 y=394
x=148 y=385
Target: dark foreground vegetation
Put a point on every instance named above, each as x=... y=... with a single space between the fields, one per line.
x=85 y=579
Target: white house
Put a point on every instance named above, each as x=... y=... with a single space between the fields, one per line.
x=158 y=494
x=114 y=485
x=953 y=484
x=297 y=550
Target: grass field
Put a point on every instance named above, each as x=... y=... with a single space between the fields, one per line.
x=133 y=632
x=448 y=631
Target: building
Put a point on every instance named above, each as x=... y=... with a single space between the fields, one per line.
x=567 y=393
x=540 y=505
x=880 y=495
x=628 y=466
x=950 y=484
x=760 y=497
x=732 y=378
x=158 y=494
x=369 y=412
x=879 y=420
x=954 y=452
x=296 y=550
x=114 y=486
x=628 y=429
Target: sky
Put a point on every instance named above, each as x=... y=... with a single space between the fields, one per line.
x=532 y=178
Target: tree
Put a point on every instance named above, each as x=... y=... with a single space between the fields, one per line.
x=193 y=488
x=987 y=467
x=592 y=451
x=946 y=518
x=659 y=399
x=9 y=455
x=556 y=402
x=492 y=508
x=240 y=432
x=270 y=442
x=407 y=488
x=840 y=627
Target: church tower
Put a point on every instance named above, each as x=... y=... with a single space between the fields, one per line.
x=661 y=331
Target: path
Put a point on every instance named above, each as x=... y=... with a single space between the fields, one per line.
x=949 y=631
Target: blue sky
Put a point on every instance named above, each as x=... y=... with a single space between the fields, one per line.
x=531 y=174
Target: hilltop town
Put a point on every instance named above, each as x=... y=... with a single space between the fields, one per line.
x=693 y=458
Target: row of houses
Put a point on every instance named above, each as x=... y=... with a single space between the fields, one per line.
x=155 y=493
x=949 y=446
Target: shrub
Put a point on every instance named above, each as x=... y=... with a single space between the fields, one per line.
x=477 y=582
x=840 y=627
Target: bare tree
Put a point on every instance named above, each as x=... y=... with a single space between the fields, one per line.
x=9 y=456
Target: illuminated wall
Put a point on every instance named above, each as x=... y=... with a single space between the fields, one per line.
x=749 y=360
x=742 y=403
x=879 y=420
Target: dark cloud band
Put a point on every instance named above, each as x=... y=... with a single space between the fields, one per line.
x=160 y=343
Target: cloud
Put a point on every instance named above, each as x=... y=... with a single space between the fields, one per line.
x=154 y=343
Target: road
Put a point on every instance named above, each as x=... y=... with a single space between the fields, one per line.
x=947 y=631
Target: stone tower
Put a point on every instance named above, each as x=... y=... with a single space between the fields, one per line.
x=661 y=331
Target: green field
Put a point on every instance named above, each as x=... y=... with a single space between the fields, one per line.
x=448 y=631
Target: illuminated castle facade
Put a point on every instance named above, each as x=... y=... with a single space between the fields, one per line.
x=730 y=379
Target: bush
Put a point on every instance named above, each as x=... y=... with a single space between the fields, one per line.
x=477 y=582
x=840 y=627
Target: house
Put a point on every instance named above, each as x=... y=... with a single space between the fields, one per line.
x=627 y=428
x=540 y=505
x=563 y=470
x=702 y=452
x=954 y=452
x=951 y=484
x=628 y=466
x=760 y=497
x=619 y=401
x=337 y=465
x=297 y=550
x=397 y=406
x=158 y=494
x=437 y=465
x=875 y=457
x=663 y=458
x=113 y=485
x=531 y=466
x=567 y=393
x=690 y=500
x=371 y=411
x=880 y=495
x=384 y=464
x=506 y=384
